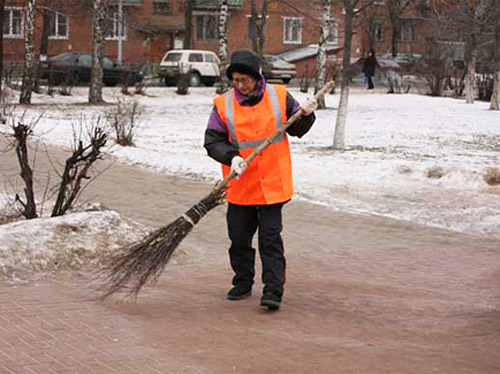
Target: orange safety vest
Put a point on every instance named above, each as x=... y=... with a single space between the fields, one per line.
x=268 y=178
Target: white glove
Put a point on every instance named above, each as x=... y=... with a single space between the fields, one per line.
x=238 y=165
x=309 y=106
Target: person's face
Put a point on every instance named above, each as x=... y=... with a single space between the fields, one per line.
x=244 y=83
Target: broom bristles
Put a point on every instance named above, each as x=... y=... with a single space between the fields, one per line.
x=133 y=266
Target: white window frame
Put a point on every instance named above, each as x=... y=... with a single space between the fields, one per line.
x=285 y=23
x=116 y=22
x=333 y=35
x=9 y=18
x=380 y=24
x=56 y=27
x=408 y=31
x=169 y=2
x=203 y=31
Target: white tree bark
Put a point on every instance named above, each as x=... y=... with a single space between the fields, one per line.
x=223 y=49
x=470 y=82
x=495 y=97
x=339 y=136
x=29 y=54
x=95 y=89
x=321 y=58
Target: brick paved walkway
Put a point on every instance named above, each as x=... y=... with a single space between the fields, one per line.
x=363 y=295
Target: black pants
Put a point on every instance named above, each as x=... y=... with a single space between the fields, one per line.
x=242 y=222
x=370 y=81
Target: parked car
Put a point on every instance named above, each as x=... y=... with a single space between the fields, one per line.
x=274 y=67
x=75 y=67
x=204 y=66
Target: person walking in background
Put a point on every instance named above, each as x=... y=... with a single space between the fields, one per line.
x=369 y=66
x=240 y=121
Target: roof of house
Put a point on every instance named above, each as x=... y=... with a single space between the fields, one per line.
x=306 y=52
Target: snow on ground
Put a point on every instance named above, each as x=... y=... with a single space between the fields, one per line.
x=393 y=143
x=70 y=241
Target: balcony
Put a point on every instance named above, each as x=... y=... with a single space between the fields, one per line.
x=215 y=4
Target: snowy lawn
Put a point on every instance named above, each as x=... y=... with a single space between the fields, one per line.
x=408 y=157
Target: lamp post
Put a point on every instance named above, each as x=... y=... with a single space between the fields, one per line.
x=120 y=33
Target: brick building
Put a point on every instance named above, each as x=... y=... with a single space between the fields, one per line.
x=152 y=27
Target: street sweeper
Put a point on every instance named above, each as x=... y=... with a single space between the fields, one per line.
x=241 y=120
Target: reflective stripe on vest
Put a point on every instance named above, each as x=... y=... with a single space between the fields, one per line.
x=230 y=119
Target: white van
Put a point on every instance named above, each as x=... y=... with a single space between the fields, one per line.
x=204 y=66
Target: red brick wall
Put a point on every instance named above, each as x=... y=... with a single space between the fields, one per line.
x=141 y=47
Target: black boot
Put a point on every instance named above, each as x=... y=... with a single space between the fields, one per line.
x=271 y=301
x=239 y=292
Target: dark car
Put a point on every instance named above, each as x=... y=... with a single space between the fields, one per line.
x=74 y=68
x=275 y=68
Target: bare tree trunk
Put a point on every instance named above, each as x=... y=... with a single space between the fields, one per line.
x=261 y=29
x=321 y=58
x=188 y=20
x=223 y=49
x=29 y=54
x=471 y=71
x=2 y=10
x=253 y=26
x=44 y=40
x=339 y=136
x=95 y=88
x=258 y=26
x=495 y=97
x=21 y=134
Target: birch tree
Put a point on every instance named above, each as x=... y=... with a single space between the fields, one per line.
x=351 y=8
x=29 y=54
x=223 y=48
x=2 y=12
x=471 y=25
x=321 y=58
x=494 y=16
x=258 y=26
x=96 y=74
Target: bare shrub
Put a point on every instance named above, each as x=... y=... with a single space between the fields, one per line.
x=140 y=87
x=396 y=83
x=124 y=119
x=69 y=80
x=436 y=68
x=126 y=81
x=436 y=172
x=77 y=166
x=22 y=129
x=492 y=176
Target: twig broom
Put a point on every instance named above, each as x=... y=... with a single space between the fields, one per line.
x=136 y=264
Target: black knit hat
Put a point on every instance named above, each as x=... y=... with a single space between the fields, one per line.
x=245 y=62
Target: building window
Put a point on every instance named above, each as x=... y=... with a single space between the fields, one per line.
x=207 y=26
x=162 y=6
x=112 y=24
x=58 y=26
x=407 y=31
x=378 y=31
x=13 y=23
x=292 y=30
x=333 y=35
